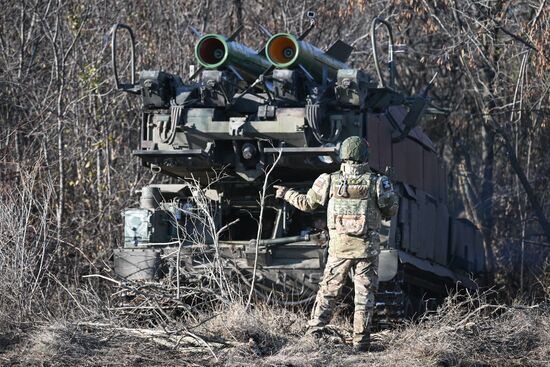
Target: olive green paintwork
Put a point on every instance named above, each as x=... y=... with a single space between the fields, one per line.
x=305 y=54
x=214 y=51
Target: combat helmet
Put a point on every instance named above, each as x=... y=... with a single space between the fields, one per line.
x=354 y=148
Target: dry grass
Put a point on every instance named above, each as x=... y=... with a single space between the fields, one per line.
x=463 y=332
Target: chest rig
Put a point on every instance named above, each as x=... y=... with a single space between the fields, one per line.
x=352 y=208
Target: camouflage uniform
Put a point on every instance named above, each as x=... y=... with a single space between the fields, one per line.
x=357 y=200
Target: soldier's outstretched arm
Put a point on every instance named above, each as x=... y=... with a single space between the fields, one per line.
x=387 y=198
x=315 y=197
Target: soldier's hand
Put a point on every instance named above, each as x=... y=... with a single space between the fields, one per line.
x=281 y=190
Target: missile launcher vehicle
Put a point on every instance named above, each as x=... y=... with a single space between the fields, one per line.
x=249 y=119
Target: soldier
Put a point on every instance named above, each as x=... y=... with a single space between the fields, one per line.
x=357 y=201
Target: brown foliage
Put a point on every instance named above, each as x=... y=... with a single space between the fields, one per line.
x=62 y=119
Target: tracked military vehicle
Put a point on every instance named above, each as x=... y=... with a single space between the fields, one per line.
x=284 y=110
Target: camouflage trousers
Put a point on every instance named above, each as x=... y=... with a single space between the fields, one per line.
x=365 y=279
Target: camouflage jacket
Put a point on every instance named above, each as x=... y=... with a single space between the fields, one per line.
x=357 y=199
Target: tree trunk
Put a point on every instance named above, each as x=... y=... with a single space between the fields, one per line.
x=485 y=206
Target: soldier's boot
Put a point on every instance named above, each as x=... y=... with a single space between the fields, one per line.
x=363 y=346
x=316 y=333
x=316 y=326
x=361 y=330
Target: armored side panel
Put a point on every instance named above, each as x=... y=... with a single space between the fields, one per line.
x=423 y=216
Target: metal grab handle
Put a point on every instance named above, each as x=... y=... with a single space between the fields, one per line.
x=119 y=85
x=391 y=64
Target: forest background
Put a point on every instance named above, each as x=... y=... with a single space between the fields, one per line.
x=66 y=137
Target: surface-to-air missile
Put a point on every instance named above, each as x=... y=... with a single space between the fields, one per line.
x=286 y=51
x=290 y=108
x=217 y=52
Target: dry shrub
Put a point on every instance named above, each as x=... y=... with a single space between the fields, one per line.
x=473 y=332
x=31 y=290
x=62 y=342
x=466 y=331
x=23 y=256
x=263 y=330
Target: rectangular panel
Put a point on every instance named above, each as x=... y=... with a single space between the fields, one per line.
x=403 y=209
x=400 y=161
x=373 y=133
x=415 y=163
x=439 y=188
x=408 y=161
x=430 y=228
x=384 y=141
x=430 y=172
x=441 y=245
x=416 y=222
x=404 y=222
x=422 y=223
x=426 y=225
x=393 y=232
